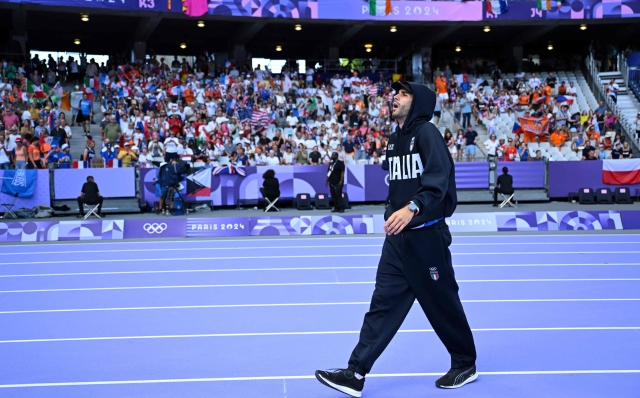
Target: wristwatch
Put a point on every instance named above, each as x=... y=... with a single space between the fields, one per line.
x=414 y=208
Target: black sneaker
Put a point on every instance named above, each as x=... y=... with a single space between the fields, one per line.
x=457 y=378
x=343 y=380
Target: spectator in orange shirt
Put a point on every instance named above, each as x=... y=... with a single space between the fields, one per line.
x=592 y=134
x=562 y=89
x=35 y=159
x=547 y=91
x=189 y=95
x=524 y=98
x=534 y=97
x=441 y=87
x=557 y=139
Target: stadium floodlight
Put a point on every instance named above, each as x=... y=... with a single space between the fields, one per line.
x=583 y=26
x=278 y=48
x=201 y=24
x=393 y=29
x=550 y=47
x=298 y=27
x=487 y=29
x=76 y=42
x=458 y=49
x=183 y=45
x=368 y=47
x=84 y=17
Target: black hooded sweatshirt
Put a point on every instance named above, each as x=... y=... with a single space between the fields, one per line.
x=420 y=166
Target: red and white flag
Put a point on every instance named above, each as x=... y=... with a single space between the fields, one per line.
x=621 y=171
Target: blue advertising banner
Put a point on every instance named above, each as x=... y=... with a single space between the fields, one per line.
x=174 y=227
x=113 y=183
x=560 y=221
x=181 y=227
x=363 y=183
x=21 y=182
x=209 y=227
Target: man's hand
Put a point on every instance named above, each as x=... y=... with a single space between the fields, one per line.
x=398 y=220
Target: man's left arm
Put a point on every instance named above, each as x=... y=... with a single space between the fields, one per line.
x=435 y=177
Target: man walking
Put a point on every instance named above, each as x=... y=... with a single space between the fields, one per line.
x=335 y=179
x=415 y=261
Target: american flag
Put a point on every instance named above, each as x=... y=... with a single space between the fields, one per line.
x=259 y=114
x=244 y=114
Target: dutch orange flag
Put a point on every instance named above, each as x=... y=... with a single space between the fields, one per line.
x=621 y=171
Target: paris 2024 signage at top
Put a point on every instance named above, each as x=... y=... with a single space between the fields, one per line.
x=371 y=10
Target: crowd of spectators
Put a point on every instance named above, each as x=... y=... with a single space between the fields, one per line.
x=211 y=114
x=589 y=134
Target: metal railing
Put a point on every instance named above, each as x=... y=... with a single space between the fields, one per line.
x=599 y=92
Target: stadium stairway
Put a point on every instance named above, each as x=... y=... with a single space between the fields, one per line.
x=626 y=106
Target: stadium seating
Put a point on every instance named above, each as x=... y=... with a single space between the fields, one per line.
x=585 y=100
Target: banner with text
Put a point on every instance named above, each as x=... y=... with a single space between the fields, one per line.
x=306 y=225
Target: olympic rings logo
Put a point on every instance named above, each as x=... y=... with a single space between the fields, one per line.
x=154 y=228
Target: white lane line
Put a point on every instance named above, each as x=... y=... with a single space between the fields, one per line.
x=299 y=247
x=182 y=307
x=192 y=270
x=182 y=259
x=290 y=284
x=178 y=271
x=298 y=256
x=321 y=333
x=342 y=237
x=221 y=240
x=308 y=377
x=239 y=248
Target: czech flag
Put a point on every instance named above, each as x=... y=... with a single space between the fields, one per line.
x=562 y=98
x=541 y=100
x=621 y=171
x=516 y=129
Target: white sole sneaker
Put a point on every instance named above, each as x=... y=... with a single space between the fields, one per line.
x=343 y=389
x=467 y=381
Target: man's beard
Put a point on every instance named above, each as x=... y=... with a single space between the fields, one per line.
x=399 y=113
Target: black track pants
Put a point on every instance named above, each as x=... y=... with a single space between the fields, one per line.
x=415 y=264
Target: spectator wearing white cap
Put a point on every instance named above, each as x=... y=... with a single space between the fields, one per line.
x=65 y=158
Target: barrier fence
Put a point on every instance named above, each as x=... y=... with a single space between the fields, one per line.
x=229 y=186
